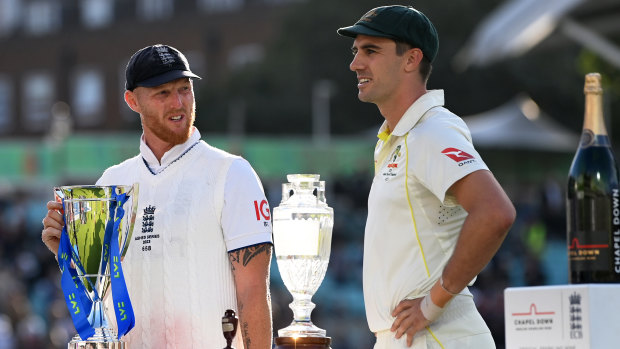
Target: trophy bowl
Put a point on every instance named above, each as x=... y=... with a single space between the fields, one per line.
x=93 y=216
x=302 y=233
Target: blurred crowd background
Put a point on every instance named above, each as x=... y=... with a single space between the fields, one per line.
x=277 y=90
x=33 y=313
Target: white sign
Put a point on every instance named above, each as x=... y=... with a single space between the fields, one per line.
x=583 y=316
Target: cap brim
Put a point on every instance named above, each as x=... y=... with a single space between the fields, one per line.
x=167 y=77
x=358 y=29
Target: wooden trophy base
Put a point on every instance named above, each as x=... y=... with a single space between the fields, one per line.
x=303 y=342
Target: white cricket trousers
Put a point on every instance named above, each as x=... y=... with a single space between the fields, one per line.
x=459 y=327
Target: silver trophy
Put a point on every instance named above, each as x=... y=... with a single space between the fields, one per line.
x=302 y=234
x=88 y=210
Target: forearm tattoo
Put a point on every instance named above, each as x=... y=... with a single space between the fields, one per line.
x=245 y=328
x=246 y=335
x=245 y=255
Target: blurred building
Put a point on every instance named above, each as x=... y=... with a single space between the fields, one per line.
x=63 y=120
x=72 y=53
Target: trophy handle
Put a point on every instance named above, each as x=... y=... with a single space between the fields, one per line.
x=59 y=195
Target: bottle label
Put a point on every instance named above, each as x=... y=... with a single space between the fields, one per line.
x=598 y=248
x=588 y=254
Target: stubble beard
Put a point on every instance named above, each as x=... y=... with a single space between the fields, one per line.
x=365 y=97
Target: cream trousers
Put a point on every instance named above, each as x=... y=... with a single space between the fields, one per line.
x=459 y=327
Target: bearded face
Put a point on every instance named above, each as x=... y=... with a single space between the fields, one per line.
x=167 y=111
x=173 y=127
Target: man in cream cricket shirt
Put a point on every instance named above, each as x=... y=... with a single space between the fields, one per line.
x=436 y=214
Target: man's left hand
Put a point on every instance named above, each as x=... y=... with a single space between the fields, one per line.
x=409 y=319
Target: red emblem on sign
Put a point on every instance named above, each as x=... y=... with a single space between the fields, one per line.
x=456 y=154
x=534 y=311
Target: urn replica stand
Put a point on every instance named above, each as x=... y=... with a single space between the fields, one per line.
x=303 y=342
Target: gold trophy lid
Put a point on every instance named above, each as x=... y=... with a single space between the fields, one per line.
x=593 y=83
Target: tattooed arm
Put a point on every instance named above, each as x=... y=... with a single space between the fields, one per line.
x=250 y=268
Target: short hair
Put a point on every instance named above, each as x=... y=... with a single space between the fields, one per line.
x=425 y=68
x=425 y=64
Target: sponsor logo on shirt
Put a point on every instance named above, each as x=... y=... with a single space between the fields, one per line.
x=262 y=211
x=459 y=156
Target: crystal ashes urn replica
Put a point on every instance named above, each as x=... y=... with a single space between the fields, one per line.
x=98 y=225
x=302 y=234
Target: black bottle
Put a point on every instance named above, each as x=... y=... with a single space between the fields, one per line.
x=593 y=198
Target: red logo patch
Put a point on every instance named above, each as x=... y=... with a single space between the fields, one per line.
x=262 y=209
x=456 y=154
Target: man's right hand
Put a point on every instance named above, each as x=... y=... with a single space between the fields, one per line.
x=52 y=226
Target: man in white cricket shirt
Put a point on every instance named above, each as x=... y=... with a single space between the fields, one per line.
x=202 y=238
x=436 y=214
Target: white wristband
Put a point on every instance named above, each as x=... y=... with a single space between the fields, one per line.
x=429 y=309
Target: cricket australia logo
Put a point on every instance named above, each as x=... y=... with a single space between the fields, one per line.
x=395 y=155
x=369 y=16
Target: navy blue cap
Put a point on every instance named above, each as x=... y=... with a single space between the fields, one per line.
x=156 y=65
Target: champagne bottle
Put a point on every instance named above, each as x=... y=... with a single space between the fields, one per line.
x=593 y=198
